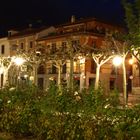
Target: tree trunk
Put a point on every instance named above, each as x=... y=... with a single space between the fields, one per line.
x=97 y=77
x=71 y=74
x=82 y=80
x=59 y=78
x=139 y=73
x=59 y=75
x=5 y=82
x=124 y=81
x=35 y=75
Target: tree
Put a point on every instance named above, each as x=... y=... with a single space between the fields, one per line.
x=58 y=59
x=5 y=64
x=74 y=50
x=101 y=55
x=100 y=59
x=32 y=61
x=132 y=19
x=122 y=49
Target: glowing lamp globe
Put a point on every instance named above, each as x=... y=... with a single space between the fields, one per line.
x=131 y=61
x=117 y=60
x=19 y=61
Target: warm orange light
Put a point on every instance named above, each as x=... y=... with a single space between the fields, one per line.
x=131 y=61
x=19 y=61
x=117 y=60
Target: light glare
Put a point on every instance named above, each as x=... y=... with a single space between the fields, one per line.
x=19 y=61
x=117 y=60
x=131 y=61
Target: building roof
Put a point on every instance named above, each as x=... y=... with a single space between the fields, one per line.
x=32 y=31
x=55 y=36
x=26 y=32
x=84 y=20
x=83 y=31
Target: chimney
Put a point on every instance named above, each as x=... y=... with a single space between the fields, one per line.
x=12 y=32
x=30 y=25
x=72 y=19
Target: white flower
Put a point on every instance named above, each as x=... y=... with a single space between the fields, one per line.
x=106 y=106
x=107 y=99
x=9 y=101
x=78 y=98
x=12 y=88
x=75 y=93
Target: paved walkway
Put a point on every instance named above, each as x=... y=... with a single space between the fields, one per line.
x=133 y=99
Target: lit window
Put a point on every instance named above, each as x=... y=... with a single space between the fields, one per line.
x=76 y=67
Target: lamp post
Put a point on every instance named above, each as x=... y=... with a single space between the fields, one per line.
x=117 y=61
x=18 y=61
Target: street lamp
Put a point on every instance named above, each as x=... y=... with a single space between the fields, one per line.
x=131 y=61
x=117 y=61
x=18 y=61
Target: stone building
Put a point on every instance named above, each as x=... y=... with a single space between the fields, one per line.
x=4 y=52
x=81 y=35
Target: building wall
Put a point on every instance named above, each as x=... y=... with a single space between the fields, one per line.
x=25 y=41
x=22 y=43
x=87 y=34
x=4 y=42
x=4 y=52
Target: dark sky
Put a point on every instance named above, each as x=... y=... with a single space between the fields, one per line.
x=19 y=13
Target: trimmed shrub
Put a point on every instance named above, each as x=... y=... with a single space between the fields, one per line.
x=71 y=115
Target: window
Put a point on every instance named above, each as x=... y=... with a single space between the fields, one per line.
x=22 y=45
x=54 y=71
x=53 y=49
x=64 y=45
x=91 y=81
x=93 y=66
x=31 y=44
x=48 y=50
x=64 y=68
x=51 y=69
x=68 y=65
x=75 y=45
x=76 y=68
x=112 y=84
x=41 y=70
x=2 y=49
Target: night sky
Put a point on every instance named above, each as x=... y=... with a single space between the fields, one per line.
x=20 y=13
